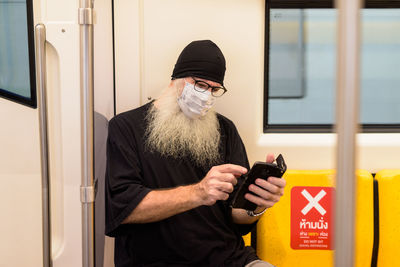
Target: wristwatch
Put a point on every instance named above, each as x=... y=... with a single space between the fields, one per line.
x=252 y=214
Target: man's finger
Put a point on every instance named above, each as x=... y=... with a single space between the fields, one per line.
x=265 y=194
x=270 y=158
x=225 y=187
x=273 y=187
x=279 y=182
x=259 y=201
x=232 y=168
x=228 y=177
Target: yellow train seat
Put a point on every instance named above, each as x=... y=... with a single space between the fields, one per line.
x=389 y=217
x=298 y=230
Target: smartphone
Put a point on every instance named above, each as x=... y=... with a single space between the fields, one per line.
x=261 y=170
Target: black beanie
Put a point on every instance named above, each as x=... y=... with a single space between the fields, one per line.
x=202 y=59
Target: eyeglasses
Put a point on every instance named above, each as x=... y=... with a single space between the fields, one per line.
x=202 y=86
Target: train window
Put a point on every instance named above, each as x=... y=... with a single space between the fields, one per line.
x=300 y=66
x=17 y=70
x=286 y=54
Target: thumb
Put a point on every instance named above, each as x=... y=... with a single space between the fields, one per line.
x=270 y=158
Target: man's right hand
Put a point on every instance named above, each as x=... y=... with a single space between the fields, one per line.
x=218 y=183
x=160 y=204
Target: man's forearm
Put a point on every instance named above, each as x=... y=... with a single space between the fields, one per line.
x=161 y=204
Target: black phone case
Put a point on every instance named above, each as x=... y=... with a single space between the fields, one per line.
x=259 y=170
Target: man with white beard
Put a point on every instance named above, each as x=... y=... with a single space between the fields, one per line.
x=171 y=166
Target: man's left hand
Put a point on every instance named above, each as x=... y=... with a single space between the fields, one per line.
x=266 y=192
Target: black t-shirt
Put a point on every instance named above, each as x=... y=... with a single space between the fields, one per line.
x=204 y=236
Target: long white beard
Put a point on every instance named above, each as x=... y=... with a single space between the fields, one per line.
x=172 y=133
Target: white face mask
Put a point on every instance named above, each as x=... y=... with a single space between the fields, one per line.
x=193 y=103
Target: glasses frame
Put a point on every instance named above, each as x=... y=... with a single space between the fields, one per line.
x=214 y=89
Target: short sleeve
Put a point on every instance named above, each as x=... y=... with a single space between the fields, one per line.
x=236 y=151
x=236 y=154
x=124 y=187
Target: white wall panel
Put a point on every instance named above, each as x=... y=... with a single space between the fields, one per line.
x=20 y=177
x=159 y=30
x=237 y=27
x=20 y=186
x=104 y=109
x=65 y=164
x=128 y=57
x=63 y=86
x=103 y=59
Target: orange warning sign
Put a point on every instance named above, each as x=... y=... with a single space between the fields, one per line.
x=311 y=217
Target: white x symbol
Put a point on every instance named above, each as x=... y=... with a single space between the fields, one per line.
x=313 y=202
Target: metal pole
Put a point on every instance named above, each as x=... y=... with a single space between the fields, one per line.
x=40 y=55
x=86 y=70
x=347 y=110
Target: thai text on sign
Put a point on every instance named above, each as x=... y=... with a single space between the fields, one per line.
x=311 y=217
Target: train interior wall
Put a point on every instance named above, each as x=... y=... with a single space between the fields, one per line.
x=147 y=50
x=148 y=37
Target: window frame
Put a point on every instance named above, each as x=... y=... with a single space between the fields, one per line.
x=32 y=100
x=313 y=128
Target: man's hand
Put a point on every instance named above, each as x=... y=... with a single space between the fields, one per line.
x=266 y=192
x=161 y=204
x=219 y=183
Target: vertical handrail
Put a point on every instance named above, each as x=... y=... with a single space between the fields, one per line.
x=85 y=17
x=40 y=55
x=347 y=112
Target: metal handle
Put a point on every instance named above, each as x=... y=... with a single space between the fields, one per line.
x=86 y=71
x=40 y=55
x=347 y=110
